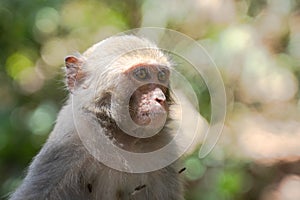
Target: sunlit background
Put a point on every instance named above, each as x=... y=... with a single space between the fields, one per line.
x=255 y=43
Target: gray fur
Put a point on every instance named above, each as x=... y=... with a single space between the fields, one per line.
x=64 y=169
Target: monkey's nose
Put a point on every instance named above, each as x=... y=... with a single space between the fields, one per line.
x=159 y=96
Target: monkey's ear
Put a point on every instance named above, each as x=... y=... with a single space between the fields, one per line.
x=74 y=73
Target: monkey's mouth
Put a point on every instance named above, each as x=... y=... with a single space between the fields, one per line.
x=148 y=107
x=144 y=118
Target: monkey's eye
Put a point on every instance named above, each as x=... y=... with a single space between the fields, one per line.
x=162 y=76
x=141 y=73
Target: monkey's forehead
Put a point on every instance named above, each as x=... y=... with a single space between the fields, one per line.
x=127 y=62
x=120 y=53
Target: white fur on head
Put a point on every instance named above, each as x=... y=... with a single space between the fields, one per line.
x=108 y=59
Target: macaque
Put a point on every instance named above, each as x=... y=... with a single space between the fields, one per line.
x=97 y=81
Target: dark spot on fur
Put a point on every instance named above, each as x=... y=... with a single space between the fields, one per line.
x=140 y=187
x=182 y=170
x=90 y=187
x=137 y=189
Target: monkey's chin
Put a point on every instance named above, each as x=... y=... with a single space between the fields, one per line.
x=155 y=119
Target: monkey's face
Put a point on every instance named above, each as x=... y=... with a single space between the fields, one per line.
x=150 y=101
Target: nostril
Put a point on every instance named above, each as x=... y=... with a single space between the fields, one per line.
x=160 y=101
x=158 y=96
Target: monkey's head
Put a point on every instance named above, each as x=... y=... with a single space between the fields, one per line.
x=124 y=81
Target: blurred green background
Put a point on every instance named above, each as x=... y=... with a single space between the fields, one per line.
x=256 y=45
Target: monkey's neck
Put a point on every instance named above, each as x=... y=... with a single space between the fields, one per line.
x=138 y=145
x=124 y=140
x=130 y=143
